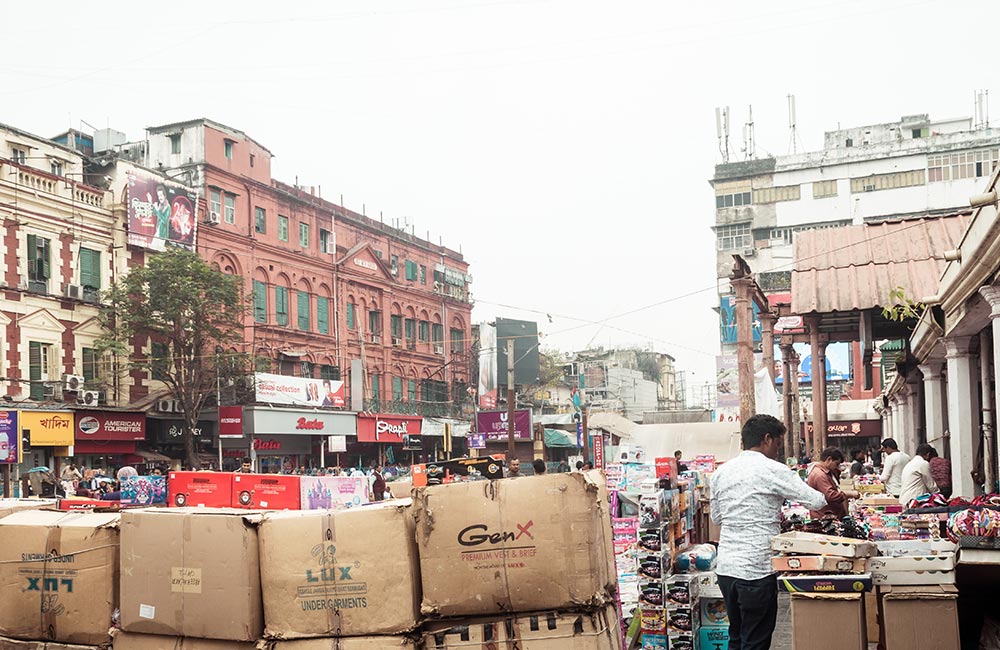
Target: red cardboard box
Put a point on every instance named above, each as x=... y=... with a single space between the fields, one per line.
x=206 y=489
x=86 y=504
x=666 y=468
x=267 y=491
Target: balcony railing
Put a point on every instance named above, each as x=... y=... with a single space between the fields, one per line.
x=426 y=409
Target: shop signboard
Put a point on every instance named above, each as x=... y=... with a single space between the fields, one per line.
x=48 y=428
x=494 y=425
x=264 y=421
x=10 y=438
x=101 y=425
x=388 y=428
x=476 y=441
x=336 y=444
x=598 y=451
x=159 y=214
x=230 y=421
x=170 y=431
x=302 y=391
x=267 y=445
x=849 y=428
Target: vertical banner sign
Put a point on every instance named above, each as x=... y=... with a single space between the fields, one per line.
x=598 y=451
x=230 y=421
x=10 y=438
x=579 y=435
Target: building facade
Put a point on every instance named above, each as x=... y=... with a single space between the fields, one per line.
x=898 y=170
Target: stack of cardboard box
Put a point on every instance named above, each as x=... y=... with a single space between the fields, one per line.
x=714 y=632
x=58 y=578
x=526 y=561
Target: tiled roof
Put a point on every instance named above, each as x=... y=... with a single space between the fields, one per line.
x=856 y=267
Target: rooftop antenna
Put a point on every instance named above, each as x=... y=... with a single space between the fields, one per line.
x=982 y=109
x=792 y=125
x=722 y=131
x=749 y=150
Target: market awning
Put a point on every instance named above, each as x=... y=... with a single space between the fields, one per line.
x=559 y=438
x=854 y=268
x=151 y=456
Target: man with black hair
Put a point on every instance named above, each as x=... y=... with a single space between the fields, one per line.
x=858 y=466
x=824 y=477
x=539 y=466
x=747 y=494
x=681 y=467
x=917 y=478
x=892 y=467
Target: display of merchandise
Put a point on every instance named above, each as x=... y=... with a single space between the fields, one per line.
x=700 y=557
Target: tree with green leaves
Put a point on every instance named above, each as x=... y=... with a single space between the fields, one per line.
x=188 y=315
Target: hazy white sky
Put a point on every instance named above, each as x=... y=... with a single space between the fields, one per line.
x=565 y=145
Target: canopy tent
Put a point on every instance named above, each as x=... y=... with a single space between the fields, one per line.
x=721 y=439
x=560 y=438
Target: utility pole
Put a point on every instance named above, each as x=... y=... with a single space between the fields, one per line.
x=510 y=400
x=586 y=433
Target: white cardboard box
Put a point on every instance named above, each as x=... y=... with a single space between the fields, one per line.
x=916 y=547
x=940 y=562
x=816 y=544
x=913 y=577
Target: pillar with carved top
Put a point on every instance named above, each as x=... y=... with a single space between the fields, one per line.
x=992 y=296
x=933 y=404
x=962 y=418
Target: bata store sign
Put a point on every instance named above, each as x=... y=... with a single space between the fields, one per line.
x=110 y=426
x=259 y=421
x=268 y=446
x=387 y=428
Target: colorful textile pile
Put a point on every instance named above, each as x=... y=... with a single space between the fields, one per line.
x=936 y=500
x=974 y=523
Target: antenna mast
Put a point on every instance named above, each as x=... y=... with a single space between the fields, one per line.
x=792 y=125
x=749 y=150
x=722 y=131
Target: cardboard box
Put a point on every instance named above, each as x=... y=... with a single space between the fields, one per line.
x=400 y=488
x=708 y=584
x=840 y=583
x=940 y=562
x=144 y=490
x=713 y=612
x=828 y=622
x=202 y=489
x=879 y=500
x=652 y=620
x=920 y=618
x=683 y=619
x=682 y=589
x=653 y=566
x=191 y=572
x=58 y=575
x=684 y=640
x=266 y=492
x=713 y=638
x=651 y=540
x=522 y=544
x=816 y=544
x=17 y=644
x=338 y=492
x=598 y=630
x=825 y=563
x=871 y=616
x=340 y=573
x=913 y=577
x=347 y=643
x=903 y=548
x=127 y=641
x=651 y=594
x=10 y=506
x=655 y=642
x=89 y=505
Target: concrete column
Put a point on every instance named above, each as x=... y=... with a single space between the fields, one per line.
x=789 y=376
x=916 y=415
x=767 y=320
x=824 y=418
x=961 y=415
x=933 y=404
x=889 y=430
x=796 y=403
x=903 y=432
x=992 y=296
x=744 y=345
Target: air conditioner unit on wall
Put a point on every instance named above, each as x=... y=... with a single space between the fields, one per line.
x=438 y=349
x=73 y=291
x=213 y=219
x=52 y=391
x=73 y=382
x=749 y=252
x=89 y=398
x=397 y=341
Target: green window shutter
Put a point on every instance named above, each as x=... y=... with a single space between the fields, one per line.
x=396 y=326
x=37 y=391
x=411 y=390
x=350 y=315
x=376 y=393
x=411 y=329
x=281 y=305
x=46 y=260
x=259 y=301
x=323 y=314
x=397 y=389
x=303 y=310
x=90 y=268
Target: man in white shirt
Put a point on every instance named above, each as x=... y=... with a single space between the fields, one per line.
x=747 y=494
x=893 y=462
x=917 y=478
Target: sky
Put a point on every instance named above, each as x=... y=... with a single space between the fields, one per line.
x=564 y=146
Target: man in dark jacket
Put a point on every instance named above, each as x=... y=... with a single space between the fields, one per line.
x=378 y=486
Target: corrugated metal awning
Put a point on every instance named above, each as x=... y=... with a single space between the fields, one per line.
x=855 y=268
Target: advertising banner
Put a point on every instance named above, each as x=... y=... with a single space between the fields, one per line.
x=727 y=382
x=110 y=426
x=727 y=321
x=476 y=441
x=598 y=451
x=230 y=421
x=48 y=428
x=494 y=425
x=487 y=367
x=159 y=214
x=387 y=428
x=334 y=492
x=838 y=363
x=10 y=438
x=303 y=391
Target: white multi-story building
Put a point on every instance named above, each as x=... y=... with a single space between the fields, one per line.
x=896 y=170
